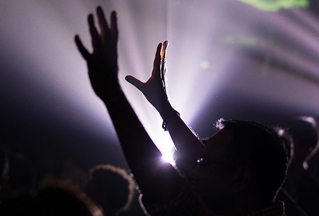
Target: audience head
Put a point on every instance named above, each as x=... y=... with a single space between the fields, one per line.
x=243 y=160
x=110 y=187
x=54 y=198
x=304 y=132
x=288 y=141
x=64 y=198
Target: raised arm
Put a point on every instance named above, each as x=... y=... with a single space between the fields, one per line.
x=157 y=181
x=188 y=146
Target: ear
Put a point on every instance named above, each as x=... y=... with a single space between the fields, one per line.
x=242 y=178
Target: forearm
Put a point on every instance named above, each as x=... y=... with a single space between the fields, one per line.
x=155 y=178
x=131 y=133
x=188 y=146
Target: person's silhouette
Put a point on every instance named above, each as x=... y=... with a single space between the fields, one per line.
x=238 y=171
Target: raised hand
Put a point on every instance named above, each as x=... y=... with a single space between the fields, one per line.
x=102 y=62
x=186 y=142
x=154 y=88
x=157 y=181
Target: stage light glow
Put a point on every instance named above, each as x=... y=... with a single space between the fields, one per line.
x=214 y=46
x=166 y=146
x=276 y=5
x=168 y=156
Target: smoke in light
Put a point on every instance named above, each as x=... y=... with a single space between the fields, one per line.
x=214 y=45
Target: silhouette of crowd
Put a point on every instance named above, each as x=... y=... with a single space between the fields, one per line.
x=245 y=168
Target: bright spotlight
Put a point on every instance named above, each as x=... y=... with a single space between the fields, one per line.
x=168 y=157
x=166 y=146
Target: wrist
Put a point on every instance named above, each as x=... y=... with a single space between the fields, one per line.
x=111 y=92
x=168 y=116
x=166 y=109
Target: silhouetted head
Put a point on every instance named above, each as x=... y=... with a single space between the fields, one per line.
x=63 y=198
x=288 y=141
x=304 y=132
x=242 y=161
x=111 y=188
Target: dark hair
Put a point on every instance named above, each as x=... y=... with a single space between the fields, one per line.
x=304 y=131
x=58 y=197
x=288 y=141
x=115 y=187
x=260 y=148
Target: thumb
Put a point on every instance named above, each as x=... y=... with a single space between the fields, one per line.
x=135 y=82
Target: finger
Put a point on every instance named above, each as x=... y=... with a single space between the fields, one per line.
x=105 y=31
x=165 y=44
x=157 y=61
x=135 y=82
x=164 y=48
x=163 y=58
x=96 y=40
x=114 y=29
x=85 y=54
